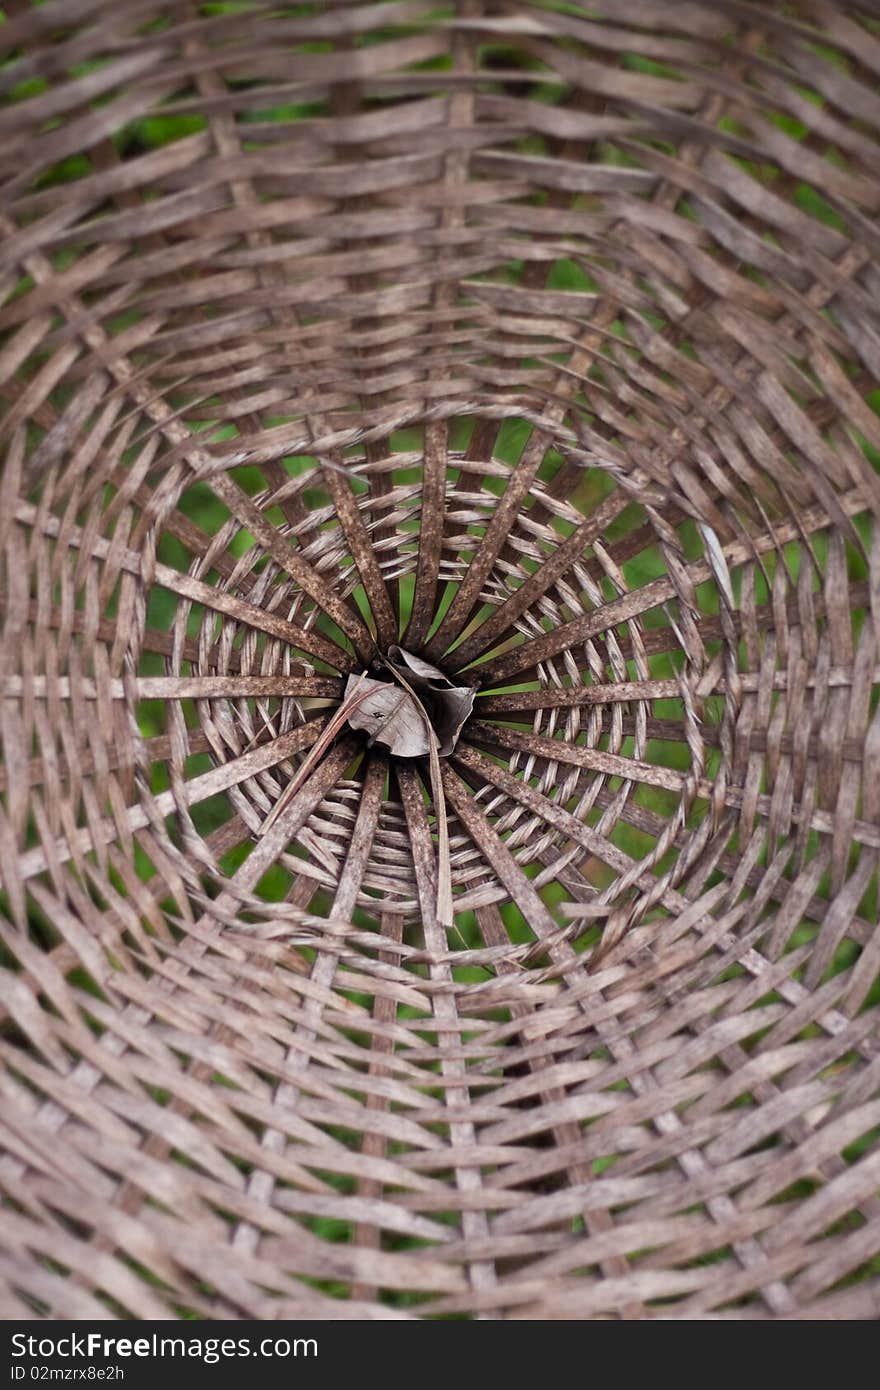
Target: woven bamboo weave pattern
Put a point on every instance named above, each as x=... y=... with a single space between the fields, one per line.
x=541 y=341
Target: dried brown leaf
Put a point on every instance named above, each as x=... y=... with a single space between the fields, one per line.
x=448 y=706
x=390 y=716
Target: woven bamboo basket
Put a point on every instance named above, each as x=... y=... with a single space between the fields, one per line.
x=537 y=341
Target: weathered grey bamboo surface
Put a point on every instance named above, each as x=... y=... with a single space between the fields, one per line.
x=540 y=339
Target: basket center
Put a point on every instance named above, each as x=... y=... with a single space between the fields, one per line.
x=407 y=705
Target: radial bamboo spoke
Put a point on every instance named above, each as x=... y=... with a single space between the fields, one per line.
x=199 y=592
x=219 y=779
x=515 y=702
x=362 y=551
x=628 y=606
x=488 y=547
x=554 y=750
x=181 y=687
x=286 y=555
x=430 y=535
x=473 y=1221
x=197 y=541
x=526 y=596
x=350 y=882
x=289 y=823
